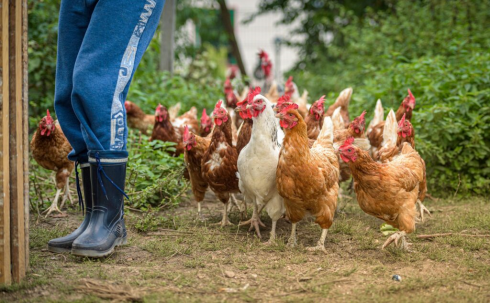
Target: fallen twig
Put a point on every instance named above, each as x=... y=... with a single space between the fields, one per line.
x=449 y=234
x=431 y=197
x=105 y=290
x=164 y=232
x=459 y=183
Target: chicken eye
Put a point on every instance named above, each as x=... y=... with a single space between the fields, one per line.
x=349 y=150
x=290 y=115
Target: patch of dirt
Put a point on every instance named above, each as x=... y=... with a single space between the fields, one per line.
x=192 y=261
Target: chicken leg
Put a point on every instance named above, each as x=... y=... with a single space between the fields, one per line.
x=399 y=239
x=292 y=239
x=199 y=212
x=321 y=243
x=272 y=238
x=423 y=210
x=255 y=221
x=224 y=221
x=54 y=205
x=66 y=195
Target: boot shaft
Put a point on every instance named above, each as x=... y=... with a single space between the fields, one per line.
x=107 y=190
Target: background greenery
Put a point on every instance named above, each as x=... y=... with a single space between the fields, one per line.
x=437 y=48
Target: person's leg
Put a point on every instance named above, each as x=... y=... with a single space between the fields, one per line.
x=118 y=35
x=73 y=23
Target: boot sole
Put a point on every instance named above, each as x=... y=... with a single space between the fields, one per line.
x=58 y=250
x=99 y=254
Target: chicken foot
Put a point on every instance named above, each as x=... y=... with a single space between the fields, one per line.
x=292 y=241
x=321 y=243
x=54 y=205
x=423 y=210
x=224 y=221
x=255 y=221
x=272 y=238
x=399 y=239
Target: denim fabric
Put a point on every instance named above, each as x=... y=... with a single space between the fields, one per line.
x=100 y=44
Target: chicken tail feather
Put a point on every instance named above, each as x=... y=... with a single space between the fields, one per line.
x=390 y=130
x=325 y=138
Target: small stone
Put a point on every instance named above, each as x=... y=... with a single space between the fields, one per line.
x=254 y=276
x=229 y=274
x=396 y=278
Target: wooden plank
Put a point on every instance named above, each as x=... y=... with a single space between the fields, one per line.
x=17 y=227
x=5 y=272
x=25 y=120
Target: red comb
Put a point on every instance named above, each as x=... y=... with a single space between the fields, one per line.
x=218 y=105
x=240 y=103
x=263 y=54
x=283 y=99
x=204 y=114
x=254 y=92
x=362 y=115
x=186 y=133
x=159 y=107
x=290 y=107
x=348 y=142
x=402 y=121
x=321 y=100
x=47 y=112
x=410 y=94
x=290 y=81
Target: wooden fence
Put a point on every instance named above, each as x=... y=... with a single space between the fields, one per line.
x=14 y=162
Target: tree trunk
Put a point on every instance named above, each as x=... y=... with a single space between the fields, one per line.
x=225 y=16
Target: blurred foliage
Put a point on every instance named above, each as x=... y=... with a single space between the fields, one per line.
x=43 y=37
x=438 y=49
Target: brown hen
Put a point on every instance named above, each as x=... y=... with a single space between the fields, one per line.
x=50 y=149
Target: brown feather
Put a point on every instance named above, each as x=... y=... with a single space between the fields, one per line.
x=51 y=152
x=307 y=178
x=219 y=163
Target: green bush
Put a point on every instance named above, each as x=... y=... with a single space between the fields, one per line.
x=439 y=50
x=154 y=178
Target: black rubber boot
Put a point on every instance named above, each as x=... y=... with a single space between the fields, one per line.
x=106 y=228
x=63 y=244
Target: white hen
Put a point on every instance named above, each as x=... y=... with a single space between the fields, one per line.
x=257 y=164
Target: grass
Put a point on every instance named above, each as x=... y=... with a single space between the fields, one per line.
x=185 y=260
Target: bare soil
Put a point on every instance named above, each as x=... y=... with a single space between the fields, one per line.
x=183 y=259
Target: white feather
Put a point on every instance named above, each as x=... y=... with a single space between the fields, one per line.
x=390 y=130
x=257 y=162
x=379 y=114
x=337 y=120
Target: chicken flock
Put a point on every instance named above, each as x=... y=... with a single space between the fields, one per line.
x=284 y=155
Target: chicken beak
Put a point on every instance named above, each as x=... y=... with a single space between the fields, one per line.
x=278 y=115
x=238 y=109
x=249 y=106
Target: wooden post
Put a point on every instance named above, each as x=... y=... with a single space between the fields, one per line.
x=167 y=28
x=225 y=16
x=14 y=185
x=5 y=272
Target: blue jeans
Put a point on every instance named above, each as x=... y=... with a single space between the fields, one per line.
x=100 y=44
